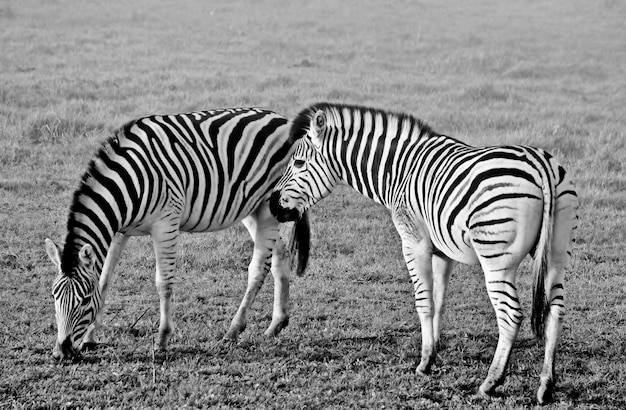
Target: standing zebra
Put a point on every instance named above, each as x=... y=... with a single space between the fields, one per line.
x=450 y=203
x=159 y=175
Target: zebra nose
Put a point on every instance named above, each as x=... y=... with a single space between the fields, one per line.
x=64 y=350
x=280 y=212
x=275 y=208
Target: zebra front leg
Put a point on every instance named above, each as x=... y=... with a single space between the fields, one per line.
x=257 y=271
x=417 y=251
x=113 y=256
x=503 y=297
x=419 y=266
x=280 y=272
x=165 y=239
x=442 y=268
x=264 y=236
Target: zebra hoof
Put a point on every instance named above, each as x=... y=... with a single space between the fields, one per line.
x=422 y=371
x=276 y=328
x=425 y=366
x=484 y=394
x=231 y=336
x=228 y=341
x=544 y=394
x=488 y=388
x=234 y=331
x=160 y=346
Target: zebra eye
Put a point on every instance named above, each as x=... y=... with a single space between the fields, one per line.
x=320 y=121
x=298 y=163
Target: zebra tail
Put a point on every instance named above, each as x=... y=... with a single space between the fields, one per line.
x=300 y=243
x=541 y=305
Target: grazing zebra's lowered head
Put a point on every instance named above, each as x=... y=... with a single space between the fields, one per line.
x=77 y=297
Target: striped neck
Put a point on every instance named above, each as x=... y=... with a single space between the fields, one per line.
x=373 y=150
x=84 y=228
x=94 y=215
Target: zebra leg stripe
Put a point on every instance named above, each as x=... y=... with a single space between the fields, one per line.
x=503 y=297
x=165 y=236
x=280 y=273
x=417 y=250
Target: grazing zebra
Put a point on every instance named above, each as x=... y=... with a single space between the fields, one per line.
x=450 y=202
x=159 y=175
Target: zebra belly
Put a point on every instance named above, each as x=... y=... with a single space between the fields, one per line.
x=221 y=216
x=209 y=226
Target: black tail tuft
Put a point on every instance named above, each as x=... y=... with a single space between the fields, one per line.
x=300 y=243
x=540 y=304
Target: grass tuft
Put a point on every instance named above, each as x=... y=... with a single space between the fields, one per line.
x=51 y=129
x=485 y=93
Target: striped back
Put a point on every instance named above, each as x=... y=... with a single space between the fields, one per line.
x=215 y=167
x=396 y=159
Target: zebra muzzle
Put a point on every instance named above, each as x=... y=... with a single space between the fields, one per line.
x=65 y=350
x=280 y=212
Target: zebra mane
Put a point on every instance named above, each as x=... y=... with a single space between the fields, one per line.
x=301 y=124
x=69 y=255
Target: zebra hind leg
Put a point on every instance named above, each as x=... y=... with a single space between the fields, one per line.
x=552 y=329
x=263 y=229
x=280 y=272
x=503 y=296
x=562 y=244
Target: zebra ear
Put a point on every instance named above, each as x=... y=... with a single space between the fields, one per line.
x=53 y=253
x=318 y=122
x=86 y=256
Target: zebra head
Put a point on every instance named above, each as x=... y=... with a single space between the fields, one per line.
x=76 y=298
x=310 y=175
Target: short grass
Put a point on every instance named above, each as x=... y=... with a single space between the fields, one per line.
x=546 y=73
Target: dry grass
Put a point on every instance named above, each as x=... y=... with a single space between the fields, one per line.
x=546 y=73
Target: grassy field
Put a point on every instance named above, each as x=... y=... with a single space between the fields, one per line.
x=539 y=72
